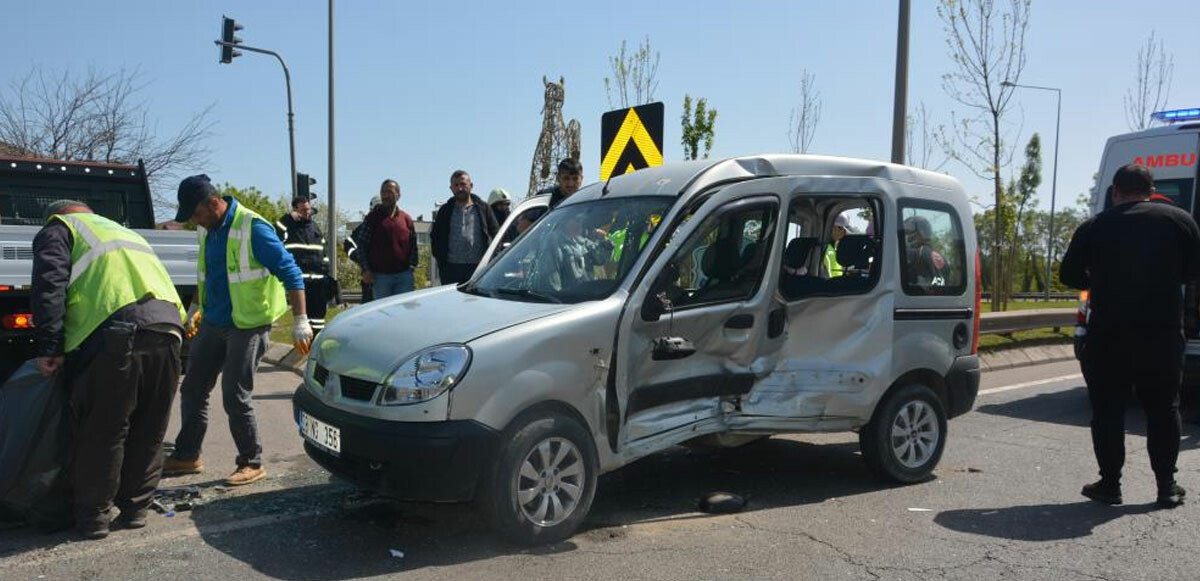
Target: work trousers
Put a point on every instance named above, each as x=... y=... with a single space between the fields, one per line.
x=233 y=354
x=120 y=403
x=455 y=273
x=1114 y=363
x=316 y=300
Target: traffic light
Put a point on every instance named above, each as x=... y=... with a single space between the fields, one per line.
x=228 y=28
x=303 y=185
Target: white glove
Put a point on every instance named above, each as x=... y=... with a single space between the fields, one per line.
x=191 y=321
x=302 y=334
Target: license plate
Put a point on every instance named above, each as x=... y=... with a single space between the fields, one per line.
x=320 y=433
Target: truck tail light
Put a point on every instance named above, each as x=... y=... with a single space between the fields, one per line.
x=18 y=321
x=978 y=302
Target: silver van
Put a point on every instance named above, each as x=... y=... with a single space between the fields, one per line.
x=725 y=300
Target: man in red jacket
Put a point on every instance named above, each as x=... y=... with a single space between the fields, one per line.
x=387 y=245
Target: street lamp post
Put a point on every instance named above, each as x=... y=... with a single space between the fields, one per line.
x=1053 y=180
x=900 y=105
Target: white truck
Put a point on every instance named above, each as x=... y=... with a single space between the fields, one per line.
x=118 y=192
x=1172 y=152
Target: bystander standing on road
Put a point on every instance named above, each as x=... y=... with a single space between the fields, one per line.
x=387 y=245
x=107 y=315
x=302 y=238
x=245 y=278
x=567 y=181
x=350 y=244
x=501 y=203
x=462 y=230
x=1134 y=258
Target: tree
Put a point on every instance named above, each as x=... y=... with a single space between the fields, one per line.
x=253 y=199
x=805 y=115
x=634 y=76
x=922 y=151
x=988 y=50
x=1152 y=84
x=697 y=127
x=99 y=117
x=1019 y=219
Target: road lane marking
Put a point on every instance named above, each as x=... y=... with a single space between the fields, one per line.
x=1014 y=386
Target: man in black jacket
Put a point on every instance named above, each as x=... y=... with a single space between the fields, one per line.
x=302 y=238
x=567 y=181
x=462 y=230
x=1134 y=258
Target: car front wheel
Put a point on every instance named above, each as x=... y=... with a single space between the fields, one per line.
x=542 y=485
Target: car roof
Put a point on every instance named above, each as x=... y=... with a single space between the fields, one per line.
x=687 y=178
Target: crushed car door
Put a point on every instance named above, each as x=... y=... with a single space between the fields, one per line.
x=698 y=328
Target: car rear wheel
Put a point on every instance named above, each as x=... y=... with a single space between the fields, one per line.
x=906 y=436
x=542 y=485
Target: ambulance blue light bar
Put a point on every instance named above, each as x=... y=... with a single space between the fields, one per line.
x=1176 y=115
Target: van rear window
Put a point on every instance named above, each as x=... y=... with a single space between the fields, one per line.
x=1178 y=190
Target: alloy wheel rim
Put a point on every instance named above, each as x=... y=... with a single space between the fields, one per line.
x=550 y=482
x=915 y=434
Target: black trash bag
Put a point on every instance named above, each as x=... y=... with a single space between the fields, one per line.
x=34 y=449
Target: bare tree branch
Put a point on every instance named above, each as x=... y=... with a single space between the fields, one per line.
x=922 y=150
x=100 y=117
x=633 y=75
x=988 y=51
x=1152 y=84
x=806 y=115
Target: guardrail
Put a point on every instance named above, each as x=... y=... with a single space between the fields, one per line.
x=1026 y=320
x=1055 y=297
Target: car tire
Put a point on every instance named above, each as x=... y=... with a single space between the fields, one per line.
x=546 y=470
x=906 y=436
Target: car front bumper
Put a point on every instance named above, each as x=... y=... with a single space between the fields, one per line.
x=427 y=461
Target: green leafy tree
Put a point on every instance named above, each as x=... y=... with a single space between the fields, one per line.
x=1019 y=225
x=698 y=126
x=253 y=198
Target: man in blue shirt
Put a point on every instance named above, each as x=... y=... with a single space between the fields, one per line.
x=226 y=344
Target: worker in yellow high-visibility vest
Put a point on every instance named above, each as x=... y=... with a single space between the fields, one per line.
x=107 y=315
x=244 y=274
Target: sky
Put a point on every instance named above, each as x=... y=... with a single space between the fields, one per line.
x=425 y=88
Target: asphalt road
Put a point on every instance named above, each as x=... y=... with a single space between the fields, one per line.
x=1005 y=505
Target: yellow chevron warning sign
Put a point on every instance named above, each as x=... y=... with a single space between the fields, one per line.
x=631 y=139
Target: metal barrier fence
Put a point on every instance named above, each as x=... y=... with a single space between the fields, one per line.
x=1037 y=297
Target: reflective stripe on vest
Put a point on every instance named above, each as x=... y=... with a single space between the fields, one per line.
x=112 y=267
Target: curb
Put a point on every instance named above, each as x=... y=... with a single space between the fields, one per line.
x=285 y=356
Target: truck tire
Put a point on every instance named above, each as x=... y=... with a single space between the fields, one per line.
x=542 y=484
x=906 y=436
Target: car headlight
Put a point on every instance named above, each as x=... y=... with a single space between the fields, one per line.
x=426 y=375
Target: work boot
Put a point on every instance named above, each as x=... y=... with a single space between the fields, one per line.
x=245 y=475
x=1170 y=496
x=173 y=466
x=93 y=530
x=132 y=519
x=1103 y=491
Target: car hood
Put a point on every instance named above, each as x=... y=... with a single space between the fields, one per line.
x=369 y=341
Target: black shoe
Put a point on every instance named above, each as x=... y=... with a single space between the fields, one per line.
x=1102 y=491
x=1170 y=496
x=134 y=519
x=93 y=531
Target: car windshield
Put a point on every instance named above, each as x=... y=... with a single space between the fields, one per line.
x=579 y=252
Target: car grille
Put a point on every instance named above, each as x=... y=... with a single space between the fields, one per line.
x=359 y=389
x=321 y=375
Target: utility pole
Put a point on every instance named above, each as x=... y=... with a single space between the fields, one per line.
x=228 y=44
x=900 y=108
x=331 y=252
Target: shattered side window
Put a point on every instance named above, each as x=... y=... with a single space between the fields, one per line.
x=833 y=247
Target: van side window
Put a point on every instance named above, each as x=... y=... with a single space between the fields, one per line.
x=833 y=247
x=522 y=223
x=932 y=252
x=724 y=259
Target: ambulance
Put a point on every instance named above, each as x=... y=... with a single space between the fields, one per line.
x=1172 y=152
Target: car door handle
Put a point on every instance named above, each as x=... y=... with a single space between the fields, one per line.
x=740 y=322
